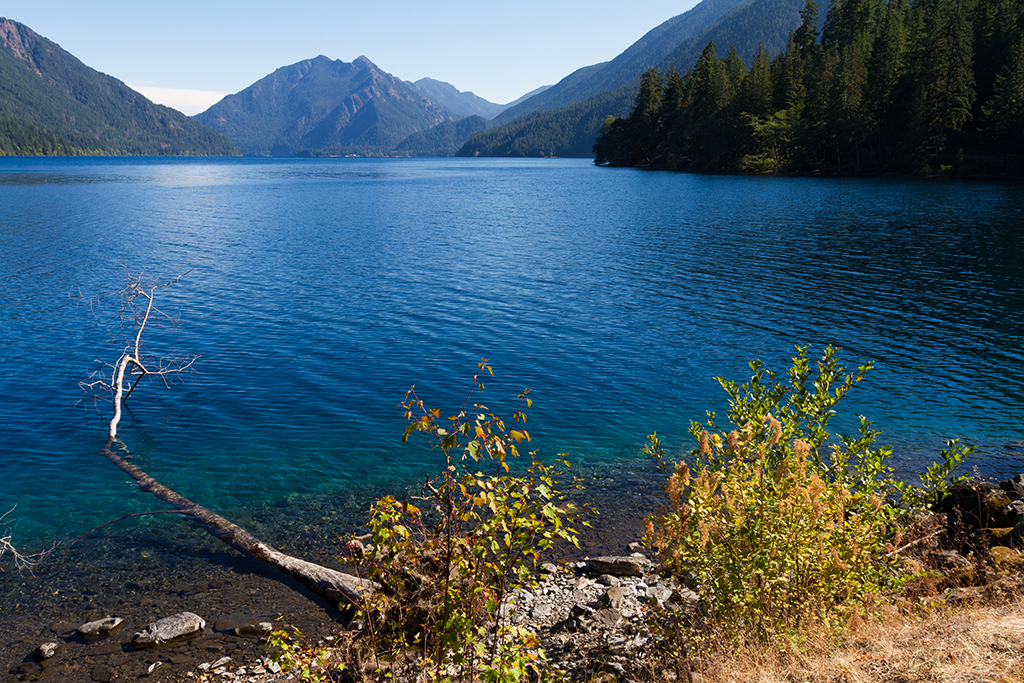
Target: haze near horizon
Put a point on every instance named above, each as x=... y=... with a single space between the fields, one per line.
x=190 y=56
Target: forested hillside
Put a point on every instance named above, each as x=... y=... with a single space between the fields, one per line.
x=749 y=23
x=51 y=103
x=890 y=86
x=442 y=138
x=650 y=50
x=563 y=132
x=27 y=140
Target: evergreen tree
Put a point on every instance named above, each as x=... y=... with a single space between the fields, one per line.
x=672 y=118
x=1004 y=113
x=755 y=96
x=642 y=131
x=943 y=68
x=886 y=71
x=806 y=35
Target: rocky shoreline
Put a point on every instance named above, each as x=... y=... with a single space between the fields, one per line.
x=589 y=613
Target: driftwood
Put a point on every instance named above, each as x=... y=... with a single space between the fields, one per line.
x=334 y=586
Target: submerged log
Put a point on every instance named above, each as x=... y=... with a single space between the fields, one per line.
x=337 y=587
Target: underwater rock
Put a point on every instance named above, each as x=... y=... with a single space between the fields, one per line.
x=101 y=628
x=169 y=628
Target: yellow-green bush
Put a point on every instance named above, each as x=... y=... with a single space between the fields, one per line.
x=449 y=566
x=779 y=526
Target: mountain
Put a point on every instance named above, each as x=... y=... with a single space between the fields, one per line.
x=443 y=139
x=650 y=50
x=523 y=98
x=50 y=102
x=573 y=128
x=446 y=138
x=568 y=131
x=460 y=104
x=324 y=106
x=767 y=22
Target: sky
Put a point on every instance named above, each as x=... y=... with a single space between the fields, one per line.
x=190 y=53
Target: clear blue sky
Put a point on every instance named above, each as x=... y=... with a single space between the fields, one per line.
x=499 y=50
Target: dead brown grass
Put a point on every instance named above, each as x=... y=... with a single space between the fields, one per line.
x=972 y=643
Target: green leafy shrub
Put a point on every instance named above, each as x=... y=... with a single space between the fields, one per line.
x=780 y=527
x=449 y=568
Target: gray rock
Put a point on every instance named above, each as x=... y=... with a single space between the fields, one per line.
x=45 y=651
x=659 y=593
x=617 y=596
x=582 y=611
x=169 y=628
x=619 y=565
x=101 y=674
x=152 y=667
x=951 y=558
x=583 y=583
x=541 y=611
x=549 y=568
x=1013 y=514
x=101 y=628
x=608 y=580
x=609 y=618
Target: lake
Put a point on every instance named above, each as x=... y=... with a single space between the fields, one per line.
x=319 y=290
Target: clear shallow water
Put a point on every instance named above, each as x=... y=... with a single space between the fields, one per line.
x=322 y=289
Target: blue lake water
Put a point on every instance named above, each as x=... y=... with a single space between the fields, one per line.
x=319 y=290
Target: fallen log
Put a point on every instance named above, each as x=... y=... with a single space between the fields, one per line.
x=336 y=587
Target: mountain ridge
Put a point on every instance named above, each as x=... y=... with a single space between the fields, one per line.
x=324 y=105
x=460 y=104
x=649 y=50
x=48 y=93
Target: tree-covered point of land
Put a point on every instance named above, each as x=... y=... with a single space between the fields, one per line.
x=888 y=86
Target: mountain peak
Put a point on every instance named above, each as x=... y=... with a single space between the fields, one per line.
x=19 y=39
x=48 y=94
x=329 y=105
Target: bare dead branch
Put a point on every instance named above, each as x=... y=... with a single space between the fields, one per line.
x=137 y=311
x=22 y=560
x=121 y=519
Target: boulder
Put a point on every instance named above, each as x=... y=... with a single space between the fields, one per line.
x=541 y=611
x=1006 y=558
x=659 y=593
x=1014 y=487
x=973 y=504
x=169 y=628
x=609 y=618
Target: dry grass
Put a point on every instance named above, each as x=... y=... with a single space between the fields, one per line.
x=977 y=643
